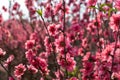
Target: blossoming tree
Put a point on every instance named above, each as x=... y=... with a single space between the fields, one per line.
x=61 y=40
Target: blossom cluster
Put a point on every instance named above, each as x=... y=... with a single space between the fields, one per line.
x=62 y=42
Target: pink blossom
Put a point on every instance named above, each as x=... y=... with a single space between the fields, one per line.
x=9 y=60
x=73 y=78
x=92 y=28
x=60 y=43
x=84 y=42
x=87 y=70
x=57 y=8
x=58 y=74
x=16 y=6
x=87 y=56
x=47 y=43
x=30 y=55
x=41 y=64
x=4 y=8
x=1 y=18
x=69 y=64
x=11 y=78
x=76 y=27
x=32 y=69
x=117 y=4
x=91 y=2
x=19 y=70
x=114 y=22
x=2 y=53
x=34 y=36
x=48 y=11
x=115 y=75
x=44 y=55
x=29 y=44
x=52 y=29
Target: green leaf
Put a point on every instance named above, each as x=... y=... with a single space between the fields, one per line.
x=101 y=9
x=102 y=5
x=93 y=7
x=74 y=72
x=111 y=10
x=39 y=12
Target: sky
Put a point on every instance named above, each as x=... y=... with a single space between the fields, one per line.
x=22 y=7
x=6 y=4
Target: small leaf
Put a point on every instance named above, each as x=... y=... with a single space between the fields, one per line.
x=102 y=5
x=111 y=10
x=93 y=7
x=39 y=12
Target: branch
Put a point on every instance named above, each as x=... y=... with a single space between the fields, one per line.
x=6 y=70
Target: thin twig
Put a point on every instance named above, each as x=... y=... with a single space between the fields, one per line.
x=64 y=29
x=6 y=70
